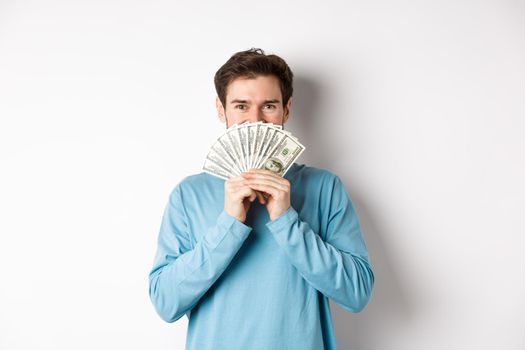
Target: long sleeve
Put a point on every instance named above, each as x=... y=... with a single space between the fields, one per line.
x=182 y=273
x=338 y=266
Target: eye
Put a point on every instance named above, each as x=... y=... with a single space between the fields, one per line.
x=269 y=106
x=241 y=107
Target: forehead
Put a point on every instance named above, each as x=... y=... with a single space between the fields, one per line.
x=262 y=87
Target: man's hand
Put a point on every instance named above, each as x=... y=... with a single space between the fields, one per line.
x=276 y=187
x=238 y=197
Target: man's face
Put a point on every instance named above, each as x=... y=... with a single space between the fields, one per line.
x=253 y=100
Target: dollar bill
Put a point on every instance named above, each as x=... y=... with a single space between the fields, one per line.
x=242 y=134
x=214 y=169
x=252 y=140
x=276 y=137
x=225 y=143
x=282 y=156
x=223 y=157
x=233 y=137
x=259 y=134
x=252 y=145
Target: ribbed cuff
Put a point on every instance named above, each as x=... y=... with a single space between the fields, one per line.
x=283 y=221
x=228 y=223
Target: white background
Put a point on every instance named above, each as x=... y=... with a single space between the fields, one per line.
x=418 y=106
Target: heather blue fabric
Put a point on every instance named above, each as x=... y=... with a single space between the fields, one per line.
x=260 y=284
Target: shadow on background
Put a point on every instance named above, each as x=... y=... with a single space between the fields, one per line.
x=389 y=303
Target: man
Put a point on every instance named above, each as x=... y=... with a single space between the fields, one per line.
x=253 y=260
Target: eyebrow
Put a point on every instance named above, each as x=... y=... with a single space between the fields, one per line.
x=245 y=101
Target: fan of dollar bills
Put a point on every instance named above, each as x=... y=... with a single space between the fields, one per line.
x=252 y=145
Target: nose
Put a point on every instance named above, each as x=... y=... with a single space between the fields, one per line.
x=256 y=116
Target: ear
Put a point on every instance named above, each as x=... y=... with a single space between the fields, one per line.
x=287 y=110
x=220 y=109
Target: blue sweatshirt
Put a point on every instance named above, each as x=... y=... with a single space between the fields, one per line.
x=261 y=284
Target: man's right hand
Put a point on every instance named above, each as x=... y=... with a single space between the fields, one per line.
x=238 y=197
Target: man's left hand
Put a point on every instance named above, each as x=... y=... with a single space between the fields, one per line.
x=277 y=189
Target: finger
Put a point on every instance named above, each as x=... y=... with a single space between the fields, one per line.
x=262 y=171
x=274 y=192
x=268 y=182
x=278 y=181
x=240 y=192
x=235 y=184
x=261 y=197
x=238 y=187
x=234 y=180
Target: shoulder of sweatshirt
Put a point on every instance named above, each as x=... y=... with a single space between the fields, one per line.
x=302 y=172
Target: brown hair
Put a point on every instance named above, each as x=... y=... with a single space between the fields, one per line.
x=250 y=64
